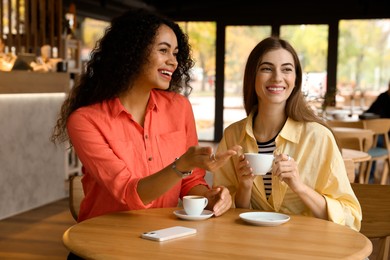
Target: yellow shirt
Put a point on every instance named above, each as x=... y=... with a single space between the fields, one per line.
x=320 y=166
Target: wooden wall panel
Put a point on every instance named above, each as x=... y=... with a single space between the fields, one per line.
x=34 y=25
x=18 y=32
x=9 y=37
x=42 y=24
x=51 y=12
x=27 y=26
x=1 y=19
x=58 y=22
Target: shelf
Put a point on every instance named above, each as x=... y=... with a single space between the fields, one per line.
x=15 y=82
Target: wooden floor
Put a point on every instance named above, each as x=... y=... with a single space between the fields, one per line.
x=36 y=234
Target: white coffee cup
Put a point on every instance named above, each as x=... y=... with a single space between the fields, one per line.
x=194 y=205
x=260 y=163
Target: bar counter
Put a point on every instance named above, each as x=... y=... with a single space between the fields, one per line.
x=32 y=171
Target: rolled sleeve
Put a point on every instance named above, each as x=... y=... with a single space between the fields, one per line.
x=347 y=215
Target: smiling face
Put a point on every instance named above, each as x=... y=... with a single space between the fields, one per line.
x=162 y=62
x=275 y=77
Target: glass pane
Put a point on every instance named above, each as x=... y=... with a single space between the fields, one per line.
x=240 y=40
x=311 y=44
x=202 y=37
x=363 y=67
x=92 y=31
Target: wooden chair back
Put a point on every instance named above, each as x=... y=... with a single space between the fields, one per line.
x=381 y=128
x=354 y=138
x=76 y=195
x=375 y=202
x=342 y=123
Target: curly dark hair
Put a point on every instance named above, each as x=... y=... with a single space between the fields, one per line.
x=117 y=60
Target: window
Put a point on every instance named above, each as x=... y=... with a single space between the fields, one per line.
x=202 y=37
x=240 y=40
x=363 y=67
x=311 y=45
x=92 y=31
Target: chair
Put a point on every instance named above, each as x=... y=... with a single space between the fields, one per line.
x=381 y=128
x=375 y=202
x=76 y=195
x=357 y=139
x=354 y=138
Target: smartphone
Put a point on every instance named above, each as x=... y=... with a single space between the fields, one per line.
x=168 y=233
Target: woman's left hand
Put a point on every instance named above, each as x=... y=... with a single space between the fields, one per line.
x=217 y=160
x=286 y=168
x=220 y=200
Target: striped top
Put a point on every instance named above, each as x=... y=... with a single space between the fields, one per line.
x=267 y=148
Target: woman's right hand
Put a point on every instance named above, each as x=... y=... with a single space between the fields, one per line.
x=203 y=157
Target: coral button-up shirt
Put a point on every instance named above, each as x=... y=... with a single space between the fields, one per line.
x=116 y=152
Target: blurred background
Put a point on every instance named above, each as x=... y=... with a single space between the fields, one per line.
x=344 y=46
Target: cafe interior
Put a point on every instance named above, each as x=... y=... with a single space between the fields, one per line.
x=344 y=48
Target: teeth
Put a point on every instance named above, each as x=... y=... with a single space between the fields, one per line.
x=166 y=72
x=275 y=89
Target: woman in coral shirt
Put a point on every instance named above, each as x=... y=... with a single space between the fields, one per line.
x=130 y=125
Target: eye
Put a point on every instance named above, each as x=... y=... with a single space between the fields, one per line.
x=287 y=69
x=265 y=69
x=164 y=50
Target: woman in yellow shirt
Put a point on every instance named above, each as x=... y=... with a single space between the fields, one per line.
x=308 y=176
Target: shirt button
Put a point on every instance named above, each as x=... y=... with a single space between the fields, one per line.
x=150 y=158
x=146 y=136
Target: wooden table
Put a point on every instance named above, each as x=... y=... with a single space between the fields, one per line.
x=358 y=160
x=355 y=155
x=117 y=236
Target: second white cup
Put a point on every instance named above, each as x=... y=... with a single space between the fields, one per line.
x=194 y=205
x=259 y=162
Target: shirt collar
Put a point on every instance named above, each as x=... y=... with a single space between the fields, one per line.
x=291 y=130
x=153 y=104
x=249 y=126
x=117 y=107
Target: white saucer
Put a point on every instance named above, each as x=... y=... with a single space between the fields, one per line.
x=183 y=215
x=264 y=218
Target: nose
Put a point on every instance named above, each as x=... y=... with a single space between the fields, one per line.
x=172 y=60
x=277 y=76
